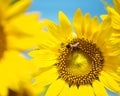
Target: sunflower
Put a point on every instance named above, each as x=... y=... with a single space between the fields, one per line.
x=16 y=31
x=25 y=89
x=12 y=73
x=79 y=61
x=113 y=16
x=16 y=26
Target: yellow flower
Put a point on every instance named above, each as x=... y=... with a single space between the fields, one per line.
x=16 y=26
x=13 y=70
x=16 y=32
x=113 y=16
x=24 y=91
x=77 y=62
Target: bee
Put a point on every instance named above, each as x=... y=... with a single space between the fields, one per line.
x=75 y=45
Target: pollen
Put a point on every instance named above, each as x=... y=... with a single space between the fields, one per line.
x=80 y=62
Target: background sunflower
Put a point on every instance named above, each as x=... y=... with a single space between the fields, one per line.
x=16 y=31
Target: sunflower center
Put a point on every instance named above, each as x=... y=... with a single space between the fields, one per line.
x=80 y=62
x=2 y=42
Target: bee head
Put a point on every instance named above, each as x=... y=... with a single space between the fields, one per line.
x=68 y=46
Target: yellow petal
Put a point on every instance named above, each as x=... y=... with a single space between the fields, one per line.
x=115 y=22
x=117 y=5
x=77 y=22
x=17 y=8
x=3 y=90
x=9 y=77
x=65 y=26
x=46 y=77
x=113 y=49
x=3 y=80
x=103 y=35
x=94 y=25
x=20 y=43
x=115 y=18
x=87 y=26
x=46 y=40
x=99 y=89
x=14 y=75
x=30 y=26
x=65 y=91
x=111 y=63
x=94 y=29
x=26 y=89
x=33 y=15
x=115 y=76
x=5 y=2
x=65 y=23
x=85 y=90
x=73 y=91
x=43 y=58
x=54 y=29
x=43 y=54
x=38 y=89
x=13 y=57
x=3 y=5
x=109 y=82
x=69 y=91
x=103 y=17
x=55 y=88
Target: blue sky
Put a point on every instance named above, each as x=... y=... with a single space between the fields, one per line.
x=49 y=9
